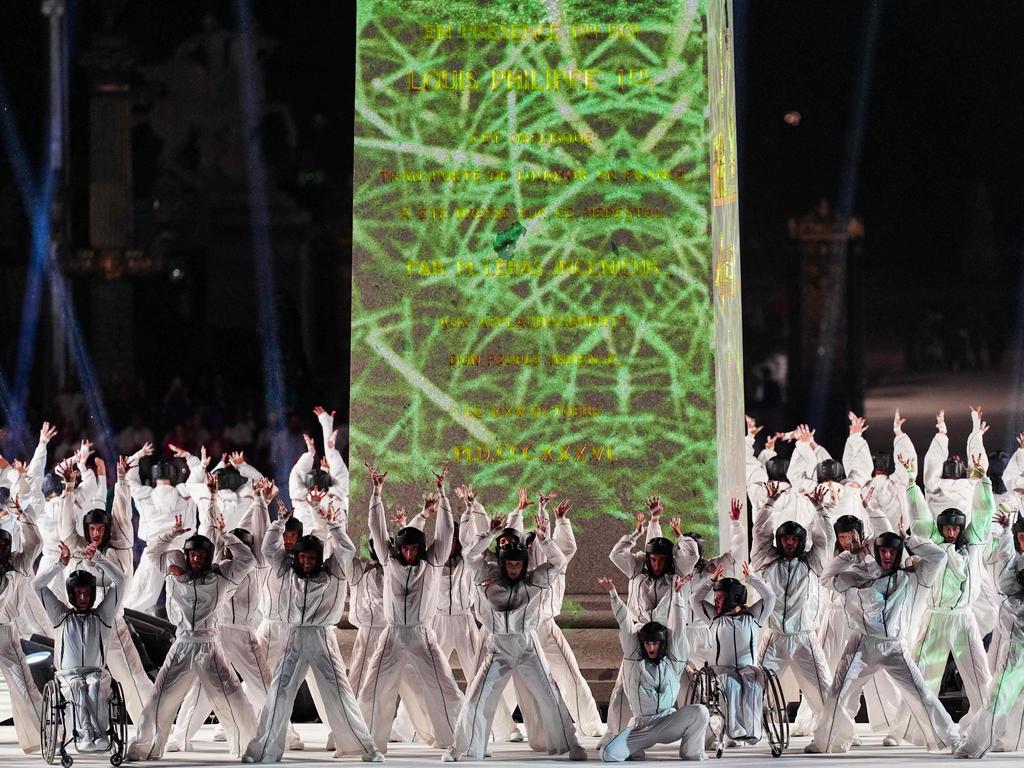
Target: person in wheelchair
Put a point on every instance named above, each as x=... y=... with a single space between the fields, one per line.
x=653 y=665
x=735 y=627
x=81 y=637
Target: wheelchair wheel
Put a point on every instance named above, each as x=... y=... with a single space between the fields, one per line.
x=776 y=717
x=705 y=689
x=51 y=725
x=118 y=724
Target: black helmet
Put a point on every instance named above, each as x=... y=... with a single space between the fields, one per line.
x=407 y=537
x=884 y=464
x=791 y=528
x=202 y=544
x=997 y=461
x=847 y=524
x=1020 y=576
x=52 y=485
x=1017 y=528
x=653 y=632
x=5 y=546
x=735 y=593
x=80 y=579
x=229 y=479
x=243 y=536
x=319 y=479
x=659 y=545
x=954 y=469
x=312 y=544
x=511 y=533
x=163 y=470
x=889 y=540
x=293 y=525
x=5 y=495
x=98 y=516
x=952 y=516
x=830 y=470
x=515 y=552
x=777 y=469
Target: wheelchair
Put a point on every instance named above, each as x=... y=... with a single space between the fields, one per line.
x=58 y=730
x=707 y=689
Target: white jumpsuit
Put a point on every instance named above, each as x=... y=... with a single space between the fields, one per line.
x=15 y=582
x=648 y=599
x=237 y=623
x=158 y=506
x=314 y=607
x=996 y=728
x=950 y=625
x=791 y=641
x=192 y=605
x=878 y=604
x=511 y=611
x=736 y=642
x=653 y=688
x=408 y=646
x=81 y=639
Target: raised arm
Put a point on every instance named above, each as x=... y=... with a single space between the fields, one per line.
x=983 y=508
x=622 y=555
x=762 y=608
x=107 y=609
x=856 y=453
x=55 y=607
x=273 y=551
x=563 y=535
x=922 y=522
x=444 y=527
x=378 y=515
x=623 y=619
x=698 y=599
x=343 y=552
x=297 y=477
x=762 y=550
x=1007 y=583
x=937 y=453
x=122 y=534
x=931 y=555
x=242 y=559
x=678 y=645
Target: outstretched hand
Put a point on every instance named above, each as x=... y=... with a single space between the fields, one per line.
x=65 y=554
x=497 y=523
x=376 y=476
x=897 y=423
x=179 y=526
x=735 y=509
x=654 y=506
x=563 y=508
x=524 y=499
x=605 y=583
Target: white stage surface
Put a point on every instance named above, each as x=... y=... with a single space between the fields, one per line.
x=207 y=752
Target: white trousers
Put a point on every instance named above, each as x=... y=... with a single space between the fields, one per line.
x=189 y=659
x=88 y=689
x=504 y=727
x=743 y=690
x=126 y=667
x=314 y=650
x=956 y=633
x=26 y=701
x=410 y=653
x=996 y=728
x=864 y=657
x=686 y=725
x=518 y=657
x=273 y=636
x=566 y=672
x=800 y=653
x=243 y=652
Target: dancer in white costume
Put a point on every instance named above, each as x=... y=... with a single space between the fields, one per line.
x=196 y=588
x=509 y=604
x=878 y=589
x=316 y=588
x=409 y=646
x=15 y=579
x=653 y=663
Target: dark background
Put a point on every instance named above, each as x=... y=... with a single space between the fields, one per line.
x=933 y=286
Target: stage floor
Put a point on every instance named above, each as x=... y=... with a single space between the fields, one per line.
x=207 y=752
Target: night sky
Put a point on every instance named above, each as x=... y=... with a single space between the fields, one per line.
x=939 y=178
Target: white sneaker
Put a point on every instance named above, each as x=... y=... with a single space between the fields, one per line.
x=812 y=749
x=175 y=746
x=638 y=755
x=890 y=741
x=449 y=756
x=517 y=736
x=855 y=742
x=100 y=744
x=296 y=743
x=219 y=734
x=598 y=730
x=577 y=753
x=373 y=757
